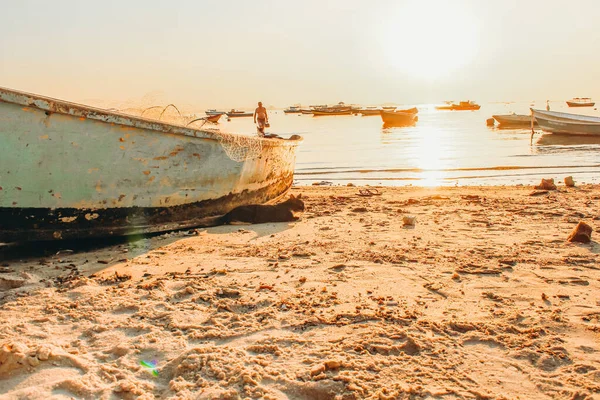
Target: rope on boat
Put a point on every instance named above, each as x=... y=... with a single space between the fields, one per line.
x=165 y=109
x=149 y=108
x=197 y=119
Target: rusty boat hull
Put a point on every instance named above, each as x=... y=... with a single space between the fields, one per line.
x=72 y=171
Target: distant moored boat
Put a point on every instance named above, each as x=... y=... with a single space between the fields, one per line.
x=462 y=106
x=581 y=102
x=399 y=118
x=293 y=110
x=236 y=114
x=214 y=112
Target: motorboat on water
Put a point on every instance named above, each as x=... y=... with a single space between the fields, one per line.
x=461 y=106
x=72 y=171
x=237 y=113
x=566 y=123
x=293 y=110
x=580 y=102
x=213 y=111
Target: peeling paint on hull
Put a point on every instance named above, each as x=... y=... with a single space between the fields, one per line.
x=70 y=171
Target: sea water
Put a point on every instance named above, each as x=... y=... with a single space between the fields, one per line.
x=442 y=148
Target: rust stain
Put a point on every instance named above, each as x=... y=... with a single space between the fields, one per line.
x=121 y=139
x=151 y=179
x=18 y=188
x=0 y=187
x=93 y=170
x=82 y=118
x=121 y=197
x=146 y=172
x=142 y=160
x=91 y=216
x=178 y=149
x=160 y=158
x=165 y=182
x=122 y=147
x=44 y=137
x=196 y=155
x=99 y=187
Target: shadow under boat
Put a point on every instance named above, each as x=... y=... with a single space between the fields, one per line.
x=386 y=126
x=556 y=139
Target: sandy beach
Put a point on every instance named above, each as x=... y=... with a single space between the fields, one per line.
x=482 y=298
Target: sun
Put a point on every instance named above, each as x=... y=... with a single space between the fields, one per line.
x=430 y=39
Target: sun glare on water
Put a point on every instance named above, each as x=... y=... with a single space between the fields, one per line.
x=430 y=39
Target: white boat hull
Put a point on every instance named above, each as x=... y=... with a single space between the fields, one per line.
x=567 y=124
x=514 y=120
x=71 y=171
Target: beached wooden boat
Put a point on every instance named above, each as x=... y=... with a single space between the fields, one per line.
x=398 y=118
x=462 y=106
x=72 y=171
x=581 y=102
x=514 y=120
x=568 y=124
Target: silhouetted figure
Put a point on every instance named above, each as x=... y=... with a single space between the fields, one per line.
x=261 y=118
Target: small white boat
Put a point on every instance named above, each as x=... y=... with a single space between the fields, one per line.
x=568 y=124
x=513 y=120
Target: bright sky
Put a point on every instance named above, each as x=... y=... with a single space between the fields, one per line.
x=233 y=53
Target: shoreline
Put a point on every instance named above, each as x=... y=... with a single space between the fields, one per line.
x=483 y=297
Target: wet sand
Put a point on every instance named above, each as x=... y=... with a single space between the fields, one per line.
x=482 y=298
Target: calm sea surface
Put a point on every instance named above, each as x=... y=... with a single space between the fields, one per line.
x=443 y=148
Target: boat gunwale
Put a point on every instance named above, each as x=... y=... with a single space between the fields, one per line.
x=57 y=106
x=566 y=118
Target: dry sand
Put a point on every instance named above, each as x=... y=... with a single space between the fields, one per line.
x=482 y=298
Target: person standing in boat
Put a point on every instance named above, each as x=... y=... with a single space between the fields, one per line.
x=261 y=118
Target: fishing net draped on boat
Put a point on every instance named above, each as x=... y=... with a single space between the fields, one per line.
x=240 y=147
x=237 y=147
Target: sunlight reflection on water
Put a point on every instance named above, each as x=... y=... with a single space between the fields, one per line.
x=443 y=148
